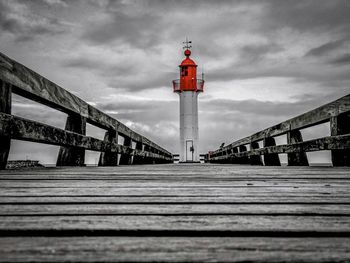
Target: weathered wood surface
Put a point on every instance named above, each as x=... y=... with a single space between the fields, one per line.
x=340 y=125
x=181 y=213
x=73 y=156
x=295 y=159
x=340 y=142
x=175 y=249
x=23 y=129
x=5 y=107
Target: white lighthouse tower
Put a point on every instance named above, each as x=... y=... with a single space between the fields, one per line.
x=188 y=88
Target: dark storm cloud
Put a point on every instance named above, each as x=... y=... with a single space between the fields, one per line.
x=103 y=68
x=342 y=60
x=81 y=62
x=256 y=52
x=144 y=25
x=158 y=80
x=117 y=74
x=16 y=18
x=309 y=15
x=325 y=49
x=139 y=30
x=298 y=72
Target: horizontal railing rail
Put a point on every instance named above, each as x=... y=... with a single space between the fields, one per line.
x=18 y=79
x=336 y=112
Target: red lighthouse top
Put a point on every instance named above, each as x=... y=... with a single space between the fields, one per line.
x=188 y=74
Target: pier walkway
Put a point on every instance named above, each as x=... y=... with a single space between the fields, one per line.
x=169 y=212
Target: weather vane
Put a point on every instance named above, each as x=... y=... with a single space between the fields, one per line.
x=187 y=44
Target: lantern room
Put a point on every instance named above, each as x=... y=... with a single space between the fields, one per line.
x=188 y=76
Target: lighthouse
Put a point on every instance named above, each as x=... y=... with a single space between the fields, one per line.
x=188 y=87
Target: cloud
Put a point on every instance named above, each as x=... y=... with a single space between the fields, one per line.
x=325 y=49
x=126 y=75
x=55 y=3
x=306 y=16
x=17 y=19
x=135 y=29
x=256 y=52
x=255 y=107
x=342 y=60
x=31 y=110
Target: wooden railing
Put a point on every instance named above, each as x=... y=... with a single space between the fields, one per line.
x=336 y=112
x=18 y=79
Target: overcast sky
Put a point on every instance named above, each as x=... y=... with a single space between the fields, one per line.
x=264 y=61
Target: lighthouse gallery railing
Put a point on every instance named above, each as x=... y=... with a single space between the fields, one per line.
x=199 y=85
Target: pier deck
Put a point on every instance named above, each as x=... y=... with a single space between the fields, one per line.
x=175 y=213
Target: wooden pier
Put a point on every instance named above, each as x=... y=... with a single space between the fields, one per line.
x=169 y=212
x=243 y=206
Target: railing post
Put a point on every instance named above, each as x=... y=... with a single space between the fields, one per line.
x=73 y=156
x=147 y=148
x=245 y=159
x=126 y=158
x=228 y=157
x=340 y=125
x=5 y=107
x=109 y=158
x=234 y=159
x=255 y=159
x=296 y=159
x=138 y=159
x=157 y=160
x=271 y=159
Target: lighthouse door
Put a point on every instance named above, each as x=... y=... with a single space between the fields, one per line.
x=189 y=150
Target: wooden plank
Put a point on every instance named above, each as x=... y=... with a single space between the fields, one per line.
x=185 y=184
x=340 y=125
x=234 y=199
x=53 y=173
x=175 y=209
x=159 y=191
x=173 y=249
x=27 y=130
x=325 y=143
x=228 y=223
x=5 y=107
